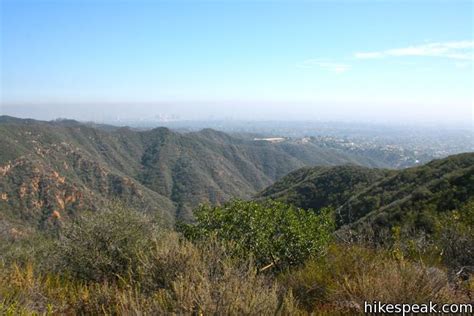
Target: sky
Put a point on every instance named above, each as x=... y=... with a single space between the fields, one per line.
x=323 y=60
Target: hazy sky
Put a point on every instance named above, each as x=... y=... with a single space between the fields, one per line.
x=378 y=60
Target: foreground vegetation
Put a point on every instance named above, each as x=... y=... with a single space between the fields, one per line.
x=241 y=258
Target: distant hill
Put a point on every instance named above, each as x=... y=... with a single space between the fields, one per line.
x=377 y=199
x=64 y=166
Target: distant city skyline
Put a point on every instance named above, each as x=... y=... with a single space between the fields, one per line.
x=384 y=61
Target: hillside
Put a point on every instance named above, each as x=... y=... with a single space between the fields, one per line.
x=61 y=167
x=52 y=170
x=413 y=198
x=377 y=199
x=319 y=187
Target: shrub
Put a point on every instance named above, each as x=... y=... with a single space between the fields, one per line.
x=204 y=280
x=272 y=232
x=104 y=245
x=167 y=258
x=174 y=277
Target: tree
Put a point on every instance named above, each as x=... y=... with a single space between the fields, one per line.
x=272 y=232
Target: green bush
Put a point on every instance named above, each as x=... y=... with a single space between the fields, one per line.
x=272 y=232
x=104 y=245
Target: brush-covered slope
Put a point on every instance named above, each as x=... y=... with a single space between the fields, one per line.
x=375 y=198
x=51 y=170
x=318 y=187
x=413 y=197
x=60 y=167
x=65 y=166
x=209 y=166
x=212 y=167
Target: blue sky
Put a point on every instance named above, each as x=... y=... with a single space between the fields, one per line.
x=383 y=60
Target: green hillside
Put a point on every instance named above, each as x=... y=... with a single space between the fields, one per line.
x=376 y=199
x=317 y=187
x=413 y=198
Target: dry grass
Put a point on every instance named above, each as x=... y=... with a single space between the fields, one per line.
x=348 y=276
x=176 y=277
